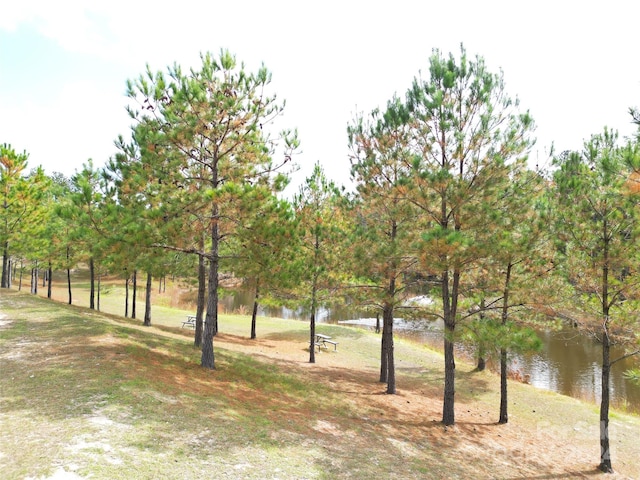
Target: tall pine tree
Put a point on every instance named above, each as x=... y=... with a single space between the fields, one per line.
x=202 y=136
x=599 y=229
x=466 y=132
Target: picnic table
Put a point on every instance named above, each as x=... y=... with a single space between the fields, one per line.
x=322 y=341
x=190 y=321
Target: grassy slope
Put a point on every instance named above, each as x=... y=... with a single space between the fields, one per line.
x=102 y=397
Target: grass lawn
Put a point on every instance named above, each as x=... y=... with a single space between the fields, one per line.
x=85 y=394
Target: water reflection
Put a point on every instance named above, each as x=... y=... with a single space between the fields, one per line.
x=569 y=362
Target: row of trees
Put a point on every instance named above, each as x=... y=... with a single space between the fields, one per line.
x=443 y=204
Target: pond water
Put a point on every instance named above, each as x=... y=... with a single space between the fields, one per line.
x=569 y=362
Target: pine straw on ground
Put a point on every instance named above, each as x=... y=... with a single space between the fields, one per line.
x=557 y=439
x=537 y=448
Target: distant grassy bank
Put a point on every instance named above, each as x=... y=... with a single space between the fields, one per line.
x=89 y=395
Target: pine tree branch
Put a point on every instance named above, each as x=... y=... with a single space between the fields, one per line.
x=625 y=356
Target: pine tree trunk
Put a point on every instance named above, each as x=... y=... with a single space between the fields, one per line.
x=254 y=314
x=314 y=305
x=448 y=404
x=387 y=360
x=147 y=301
x=126 y=297
x=384 y=358
x=312 y=323
x=605 y=452
x=504 y=415
x=208 y=355
x=69 y=285
x=69 y=275
x=92 y=292
x=387 y=332
x=202 y=296
x=312 y=335
x=211 y=323
x=34 y=280
x=5 y=261
x=50 y=275
x=99 y=291
x=33 y=288
x=134 y=294
x=448 y=412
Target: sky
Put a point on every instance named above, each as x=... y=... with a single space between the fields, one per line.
x=64 y=65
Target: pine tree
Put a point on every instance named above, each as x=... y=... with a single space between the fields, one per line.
x=465 y=132
x=261 y=245
x=599 y=230
x=57 y=244
x=89 y=217
x=21 y=205
x=314 y=250
x=200 y=137
x=383 y=260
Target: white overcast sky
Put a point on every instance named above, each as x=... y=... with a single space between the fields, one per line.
x=63 y=64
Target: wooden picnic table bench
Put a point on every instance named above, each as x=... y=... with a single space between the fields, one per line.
x=322 y=341
x=190 y=321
